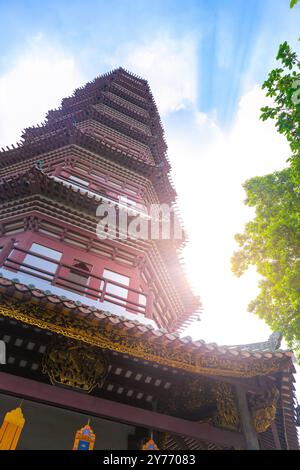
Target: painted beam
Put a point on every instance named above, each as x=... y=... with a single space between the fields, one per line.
x=94 y=406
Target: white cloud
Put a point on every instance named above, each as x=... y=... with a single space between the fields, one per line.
x=170 y=66
x=37 y=81
x=210 y=166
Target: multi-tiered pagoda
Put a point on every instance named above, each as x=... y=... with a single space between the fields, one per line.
x=91 y=323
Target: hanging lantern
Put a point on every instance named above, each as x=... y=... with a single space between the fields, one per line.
x=150 y=445
x=85 y=438
x=11 y=429
x=297 y=415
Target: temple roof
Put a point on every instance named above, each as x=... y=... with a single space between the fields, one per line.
x=264 y=350
x=91 y=112
x=272 y=344
x=73 y=136
x=129 y=340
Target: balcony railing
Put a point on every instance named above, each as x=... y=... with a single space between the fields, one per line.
x=129 y=206
x=93 y=287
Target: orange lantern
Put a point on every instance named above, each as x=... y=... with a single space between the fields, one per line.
x=85 y=438
x=150 y=445
x=11 y=429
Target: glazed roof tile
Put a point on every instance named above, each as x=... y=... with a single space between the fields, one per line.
x=257 y=350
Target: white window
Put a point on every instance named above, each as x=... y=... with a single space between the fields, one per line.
x=39 y=263
x=115 y=290
x=120 y=279
x=142 y=300
x=80 y=181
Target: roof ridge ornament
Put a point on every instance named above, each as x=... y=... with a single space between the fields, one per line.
x=272 y=344
x=274 y=340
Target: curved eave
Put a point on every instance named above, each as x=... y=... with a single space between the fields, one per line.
x=73 y=136
x=104 y=330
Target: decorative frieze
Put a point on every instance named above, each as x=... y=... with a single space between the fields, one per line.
x=263 y=408
x=74 y=364
x=121 y=339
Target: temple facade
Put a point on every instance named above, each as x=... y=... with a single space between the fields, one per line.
x=92 y=310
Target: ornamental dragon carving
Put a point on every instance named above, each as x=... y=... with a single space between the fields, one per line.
x=227 y=415
x=263 y=409
x=74 y=364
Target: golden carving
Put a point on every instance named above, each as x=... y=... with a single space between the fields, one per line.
x=263 y=409
x=162 y=439
x=107 y=336
x=203 y=400
x=75 y=364
x=228 y=415
x=196 y=394
x=192 y=395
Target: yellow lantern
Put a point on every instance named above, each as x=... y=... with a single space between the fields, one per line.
x=11 y=429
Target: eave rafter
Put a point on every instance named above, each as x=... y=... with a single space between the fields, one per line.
x=137 y=341
x=158 y=174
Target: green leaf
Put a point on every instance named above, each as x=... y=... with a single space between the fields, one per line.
x=293 y=3
x=271 y=241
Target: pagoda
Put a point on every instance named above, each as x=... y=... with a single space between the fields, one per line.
x=93 y=323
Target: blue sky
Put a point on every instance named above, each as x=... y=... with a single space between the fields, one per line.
x=227 y=34
x=205 y=61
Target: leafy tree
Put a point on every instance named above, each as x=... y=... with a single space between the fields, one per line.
x=271 y=241
x=283 y=85
x=293 y=3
